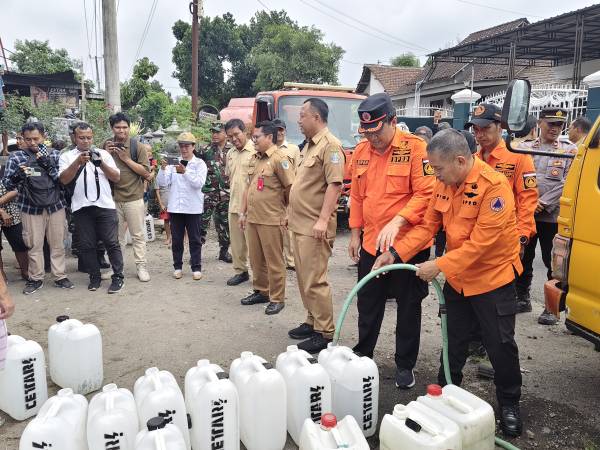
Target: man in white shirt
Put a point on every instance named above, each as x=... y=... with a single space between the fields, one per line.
x=87 y=171
x=186 y=203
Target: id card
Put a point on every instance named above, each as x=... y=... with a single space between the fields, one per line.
x=260 y=183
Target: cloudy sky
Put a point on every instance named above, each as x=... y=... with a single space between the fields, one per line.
x=369 y=31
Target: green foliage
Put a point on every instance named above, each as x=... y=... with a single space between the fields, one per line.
x=97 y=114
x=19 y=109
x=202 y=132
x=153 y=109
x=37 y=57
x=180 y=109
x=406 y=60
x=138 y=86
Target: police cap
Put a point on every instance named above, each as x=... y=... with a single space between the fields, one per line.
x=373 y=112
x=279 y=124
x=554 y=114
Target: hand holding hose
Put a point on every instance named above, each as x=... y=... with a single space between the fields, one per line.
x=428 y=270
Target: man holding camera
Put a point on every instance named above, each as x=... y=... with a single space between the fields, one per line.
x=34 y=172
x=87 y=171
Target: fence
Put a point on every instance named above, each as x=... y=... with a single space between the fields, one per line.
x=423 y=111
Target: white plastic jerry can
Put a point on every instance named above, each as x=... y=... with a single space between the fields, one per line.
x=330 y=434
x=308 y=388
x=262 y=402
x=112 y=419
x=60 y=424
x=160 y=435
x=157 y=394
x=212 y=401
x=355 y=385
x=474 y=416
x=23 y=387
x=418 y=427
x=75 y=355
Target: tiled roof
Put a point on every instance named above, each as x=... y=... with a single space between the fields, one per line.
x=489 y=32
x=392 y=78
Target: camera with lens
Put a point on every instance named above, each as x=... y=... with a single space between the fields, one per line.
x=95 y=158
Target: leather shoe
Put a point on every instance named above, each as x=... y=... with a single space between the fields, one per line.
x=304 y=331
x=238 y=278
x=314 y=344
x=274 y=308
x=254 y=298
x=510 y=421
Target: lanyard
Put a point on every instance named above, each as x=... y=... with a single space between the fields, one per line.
x=85 y=189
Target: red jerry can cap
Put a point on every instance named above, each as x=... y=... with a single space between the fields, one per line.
x=434 y=390
x=328 y=420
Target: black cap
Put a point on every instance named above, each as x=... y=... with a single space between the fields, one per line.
x=156 y=423
x=484 y=114
x=373 y=111
x=554 y=114
x=60 y=319
x=279 y=123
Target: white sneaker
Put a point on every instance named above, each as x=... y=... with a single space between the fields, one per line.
x=106 y=275
x=177 y=274
x=142 y=273
x=197 y=275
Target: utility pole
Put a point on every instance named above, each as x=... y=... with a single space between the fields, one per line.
x=82 y=105
x=194 y=8
x=111 y=56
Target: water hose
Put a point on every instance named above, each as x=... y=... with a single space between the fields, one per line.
x=440 y=295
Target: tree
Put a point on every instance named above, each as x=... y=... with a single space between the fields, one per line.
x=406 y=60
x=153 y=109
x=138 y=86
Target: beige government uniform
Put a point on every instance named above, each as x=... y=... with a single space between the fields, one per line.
x=293 y=152
x=237 y=171
x=269 y=175
x=322 y=164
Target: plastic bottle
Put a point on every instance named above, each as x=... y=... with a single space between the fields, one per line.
x=308 y=388
x=23 y=388
x=330 y=434
x=160 y=435
x=75 y=355
x=112 y=419
x=60 y=424
x=355 y=385
x=418 y=427
x=157 y=394
x=474 y=416
x=212 y=402
x=149 y=231
x=262 y=402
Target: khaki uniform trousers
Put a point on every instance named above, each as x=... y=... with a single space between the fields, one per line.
x=239 y=248
x=312 y=258
x=288 y=250
x=265 y=245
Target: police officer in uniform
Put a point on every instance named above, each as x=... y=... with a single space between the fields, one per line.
x=391 y=186
x=270 y=176
x=216 y=189
x=551 y=174
x=476 y=207
x=312 y=219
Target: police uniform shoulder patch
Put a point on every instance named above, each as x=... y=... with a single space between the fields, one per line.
x=497 y=204
x=529 y=180
x=285 y=164
x=427 y=169
x=335 y=157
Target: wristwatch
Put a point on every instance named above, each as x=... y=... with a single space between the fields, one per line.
x=395 y=254
x=523 y=240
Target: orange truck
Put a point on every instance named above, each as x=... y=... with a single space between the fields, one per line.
x=285 y=104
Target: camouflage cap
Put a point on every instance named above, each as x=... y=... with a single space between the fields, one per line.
x=216 y=127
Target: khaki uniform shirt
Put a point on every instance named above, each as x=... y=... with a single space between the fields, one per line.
x=322 y=164
x=237 y=171
x=291 y=151
x=269 y=175
x=131 y=186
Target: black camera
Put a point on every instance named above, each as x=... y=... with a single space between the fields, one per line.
x=96 y=158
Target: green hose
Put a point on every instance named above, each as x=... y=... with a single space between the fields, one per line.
x=440 y=295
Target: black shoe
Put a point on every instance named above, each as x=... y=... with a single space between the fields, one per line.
x=547 y=318
x=254 y=298
x=64 y=283
x=103 y=263
x=274 y=308
x=510 y=421
x=116 y=285
x=32 y=286
x=485 y=370
x=405 y=378
x=314 y=344
x=523 y=306
x=304 y=331
x=238 y=278
x=476 y=349
x=225 y=256
x=94 y=284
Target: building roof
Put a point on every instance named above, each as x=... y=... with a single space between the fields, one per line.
x=59 y=79
x=493 y=31
x=391 y=77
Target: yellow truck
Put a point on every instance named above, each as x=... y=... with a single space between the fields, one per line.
x=576 y=249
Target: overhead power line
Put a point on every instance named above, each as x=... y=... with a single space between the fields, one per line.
x=264 y=6
x=518 y=13
x=145 y=32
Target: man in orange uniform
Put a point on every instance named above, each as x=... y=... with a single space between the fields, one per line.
x=517 y=168
x=392 y=183
x=476 y=207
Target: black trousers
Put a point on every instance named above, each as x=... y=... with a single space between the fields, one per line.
x=440 y=243
x=192 y=223
x=545 y=234
x=95 y=224
x=14 y=236
x=409 y=291
x=494 y=311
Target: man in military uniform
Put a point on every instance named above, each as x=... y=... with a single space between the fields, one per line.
x=312 y=219
x=476 y=207
x=270 y=175
x=551 y=175
x=216 y=189
x=293 y=152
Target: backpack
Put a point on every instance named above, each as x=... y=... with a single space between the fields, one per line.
x=41 y=190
